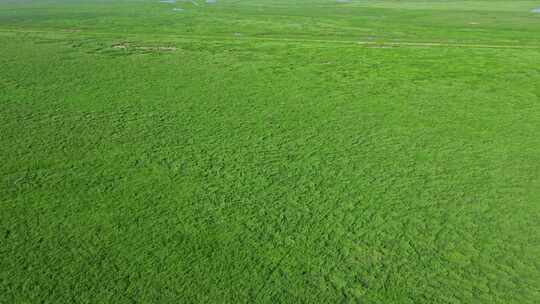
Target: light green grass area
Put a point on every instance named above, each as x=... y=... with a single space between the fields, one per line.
x=265 y=151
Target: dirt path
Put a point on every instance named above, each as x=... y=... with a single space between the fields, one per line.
x=372 y=44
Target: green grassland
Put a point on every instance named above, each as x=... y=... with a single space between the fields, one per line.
x=270 y=151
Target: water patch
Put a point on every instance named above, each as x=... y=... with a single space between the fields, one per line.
x=536 y=10
x=167 y=1
x=177 y=9
x=210 y=1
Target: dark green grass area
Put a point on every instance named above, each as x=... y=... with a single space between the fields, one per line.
x=152 y=156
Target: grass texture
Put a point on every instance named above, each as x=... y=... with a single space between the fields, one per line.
x=270 y=152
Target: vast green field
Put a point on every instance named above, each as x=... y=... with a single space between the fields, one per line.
x=270 y=151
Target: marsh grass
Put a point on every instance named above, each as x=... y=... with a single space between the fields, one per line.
x=295 y=163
